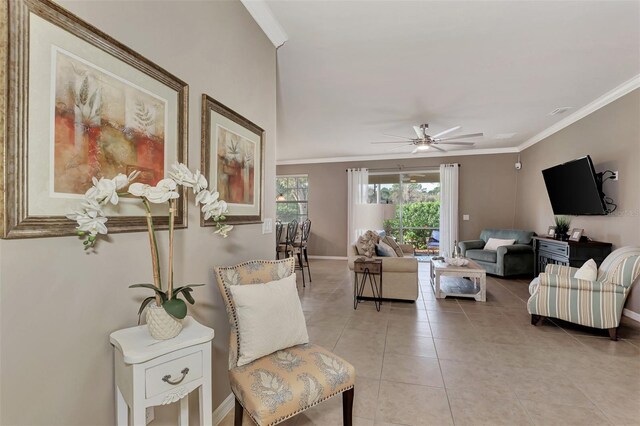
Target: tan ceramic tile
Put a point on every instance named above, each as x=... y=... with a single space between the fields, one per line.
x=450 y=305
x=476 y=376
x=488 y=411
x=327 y=413
x=409 y=326
x=463 y=350
x=443 y=330
x=367 y=363
x=367 y=340
x=324 y=336
x=557 y=414
x=407 y=344
x=411 y=369
x=366 y=397
x=448 y=317
x=370 y=322
x=546 y=386
x=407 y=404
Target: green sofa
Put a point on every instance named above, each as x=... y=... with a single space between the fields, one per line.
x=511 y=260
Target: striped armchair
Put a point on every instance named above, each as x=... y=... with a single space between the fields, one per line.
x=557 y=294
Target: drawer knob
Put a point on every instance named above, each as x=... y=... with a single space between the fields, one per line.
x=167 y=378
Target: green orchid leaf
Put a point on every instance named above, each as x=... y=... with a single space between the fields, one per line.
x=176 y=308
x=186 y=292
x=176 y=290
x=143 y=305
x=151 y=287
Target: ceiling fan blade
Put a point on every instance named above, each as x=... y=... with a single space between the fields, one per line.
x=407 y=141
x=470 y=135
x=438 y=148
x=457 y=143
x=399 y=147
x=415 y=151
x=419 y=132
x=445 y=132
x=397 y=137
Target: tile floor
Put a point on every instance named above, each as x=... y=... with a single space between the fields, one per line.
x=442 y=362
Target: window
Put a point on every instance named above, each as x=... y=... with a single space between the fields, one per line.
x=413 y=210
x=292 y=198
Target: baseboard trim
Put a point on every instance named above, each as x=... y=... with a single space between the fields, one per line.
x=630 y=314
x=328 y=257
x=223 y=409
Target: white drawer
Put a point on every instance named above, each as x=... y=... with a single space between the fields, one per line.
x=189 y=366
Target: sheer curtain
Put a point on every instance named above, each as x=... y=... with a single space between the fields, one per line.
x=358 y=185
x=448 y=207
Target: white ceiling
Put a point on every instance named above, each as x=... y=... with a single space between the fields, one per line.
x=353 y=70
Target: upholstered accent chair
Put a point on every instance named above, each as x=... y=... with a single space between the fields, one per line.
x=598 y=304
x=278 y=386
x=516 y=259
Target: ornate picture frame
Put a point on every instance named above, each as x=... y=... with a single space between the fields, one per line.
x=79 y=104
x=233 y=161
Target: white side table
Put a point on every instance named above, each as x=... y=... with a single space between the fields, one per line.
x=151 y=372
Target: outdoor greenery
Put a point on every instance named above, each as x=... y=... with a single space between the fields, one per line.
x=424 y=214
x=295 y=190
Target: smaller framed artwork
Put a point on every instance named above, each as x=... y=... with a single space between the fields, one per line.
x=233 y=162
x=551 y=232
x=576 y=234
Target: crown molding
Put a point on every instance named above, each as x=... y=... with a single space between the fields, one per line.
x=261 y=13
x=607 y=98
x=456 y=153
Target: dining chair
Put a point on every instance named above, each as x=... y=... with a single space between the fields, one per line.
x=279 y=228
x=300 y=248
x=285 y=383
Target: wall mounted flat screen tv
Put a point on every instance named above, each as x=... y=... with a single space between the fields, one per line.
x=575 y=188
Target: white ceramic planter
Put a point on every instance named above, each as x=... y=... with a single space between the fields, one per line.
x=162 y=326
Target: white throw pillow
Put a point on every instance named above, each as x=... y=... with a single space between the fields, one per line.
x=270 y=318
x=494 y=243
x=588 y=271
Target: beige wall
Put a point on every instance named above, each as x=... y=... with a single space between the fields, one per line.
x=611 y=135
x=59 y=304
x=487 y=194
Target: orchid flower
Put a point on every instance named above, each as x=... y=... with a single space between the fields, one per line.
x=164 y=191
x=92 y=223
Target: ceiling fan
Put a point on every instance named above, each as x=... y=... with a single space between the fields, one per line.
x=423 y=142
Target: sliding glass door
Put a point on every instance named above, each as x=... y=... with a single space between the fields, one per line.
x=410 y=204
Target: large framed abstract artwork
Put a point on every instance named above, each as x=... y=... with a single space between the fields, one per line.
x=233 y=161
x=78 y=104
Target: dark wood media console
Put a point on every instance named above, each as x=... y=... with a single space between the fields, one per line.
x=569 y=253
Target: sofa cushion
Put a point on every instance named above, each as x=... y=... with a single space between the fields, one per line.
x=366 y=244
x=521 y=237
x=482 y=255
x=588 y=271
x=385 y=250
x=494 y=243
x=394 y=245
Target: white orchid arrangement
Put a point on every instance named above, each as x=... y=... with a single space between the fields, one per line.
x=92 y=221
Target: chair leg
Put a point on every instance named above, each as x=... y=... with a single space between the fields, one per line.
x=536 y=319
x=613 y=334
x=347 y=407
x=299 y=254
x=237 y=417
x=306 y=259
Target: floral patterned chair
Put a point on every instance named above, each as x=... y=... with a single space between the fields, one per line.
x=598 y=304
x=280 y=385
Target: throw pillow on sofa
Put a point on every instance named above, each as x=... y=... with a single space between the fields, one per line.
x=366 y=244
x=394 y=245
x=588 y=271
x=385 y=250
x=494 y=243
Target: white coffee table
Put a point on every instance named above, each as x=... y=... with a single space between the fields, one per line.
x=461 y=281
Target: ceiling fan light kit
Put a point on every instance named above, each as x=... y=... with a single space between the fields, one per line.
x=424 y=142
